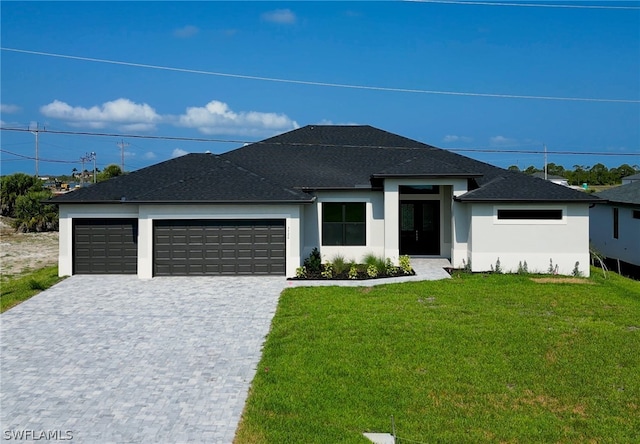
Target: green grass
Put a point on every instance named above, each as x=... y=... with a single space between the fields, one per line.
x=477 y=358
x=14 y=290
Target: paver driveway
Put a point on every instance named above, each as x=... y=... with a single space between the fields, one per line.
x=118 y=359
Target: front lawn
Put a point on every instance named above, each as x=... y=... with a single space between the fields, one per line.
x=477 y=358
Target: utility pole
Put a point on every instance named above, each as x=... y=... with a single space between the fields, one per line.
x=93 y=156
x=83 y=159
x=122 y=144
x=36 y=132
x=87 y=158
x=545 y=161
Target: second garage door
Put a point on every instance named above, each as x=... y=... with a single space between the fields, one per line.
x=219 y=247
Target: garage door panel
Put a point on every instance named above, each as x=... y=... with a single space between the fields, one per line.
x=105 y=246
x=219 y=247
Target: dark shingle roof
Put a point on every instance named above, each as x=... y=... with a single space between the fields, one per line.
x=316 y=157
x=514 y=186
x=632 y=177
x=190 y=178
x=540 y=175
x=625 y=194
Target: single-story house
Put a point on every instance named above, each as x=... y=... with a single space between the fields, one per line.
x=552 y=178
x=346 y=190
x=630 y=179
x=615 y=224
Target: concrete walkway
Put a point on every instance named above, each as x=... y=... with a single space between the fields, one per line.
x=116 y=359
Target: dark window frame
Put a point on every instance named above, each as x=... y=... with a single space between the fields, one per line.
x=341 y=230
x=636 y=214
x=616 y=223
x=530 y=214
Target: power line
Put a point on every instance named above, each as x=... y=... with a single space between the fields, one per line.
x=132 y=136
x=324 y=84
x=527 y=5
x=243 y=142
x=34 y=158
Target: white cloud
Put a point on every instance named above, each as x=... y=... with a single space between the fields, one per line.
x=8 y=108
x=186 y=31
x=217 y=118
x=280 y=16
x=149 y=155
x=449 y=138
x=501 y=140
x=179 y=152
x=124 y=113
x=331 y=122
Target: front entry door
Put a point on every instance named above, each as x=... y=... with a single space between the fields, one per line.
x=420 y=227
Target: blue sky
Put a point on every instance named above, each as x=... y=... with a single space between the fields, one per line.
x=415 y=52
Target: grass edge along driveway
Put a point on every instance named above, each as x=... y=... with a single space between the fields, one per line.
x=477 y=358
x=17 y=289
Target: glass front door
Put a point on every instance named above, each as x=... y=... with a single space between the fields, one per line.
x=420 y=227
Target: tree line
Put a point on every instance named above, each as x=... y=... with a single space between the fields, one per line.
x=22 y=197
x=597 y=174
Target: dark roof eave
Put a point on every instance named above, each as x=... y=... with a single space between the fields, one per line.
x=518 y=200
x=356 y=188
x=184 y=202
x=435 y=175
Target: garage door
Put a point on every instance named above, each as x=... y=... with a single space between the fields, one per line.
x=219 y=247
x=105 y=246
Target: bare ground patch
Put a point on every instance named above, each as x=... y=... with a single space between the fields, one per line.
x=21 y=252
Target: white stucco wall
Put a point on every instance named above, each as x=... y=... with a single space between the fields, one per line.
x=565 y=241
x=374 y=207
x=87 y=211
x=627 y=246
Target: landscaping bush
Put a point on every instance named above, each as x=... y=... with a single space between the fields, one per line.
x=371 y=268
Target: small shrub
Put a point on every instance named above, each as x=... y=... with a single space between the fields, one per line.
x=523 y=268
x=405 y=264
x=339 y=264
x=301 y=272
x=313 y=263
x=576 y=270
x=389 y=268
x=466 y=265
x=498 y=268
x=372 y=271
x=327 y=271
x=552 y=269
x=378 y=262
x=36 y=285
x=353 y=271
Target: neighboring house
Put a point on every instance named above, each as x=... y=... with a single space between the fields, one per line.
x=346 y=190
x=630 y=179
x=615 y=225
x=551 y=178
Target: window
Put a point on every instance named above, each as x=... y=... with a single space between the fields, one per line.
x=344 y=223
x=530 y=214
x=615 y=223
x=636 y=214
x=419 y=189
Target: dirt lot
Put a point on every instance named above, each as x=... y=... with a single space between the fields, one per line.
x=20 y=252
